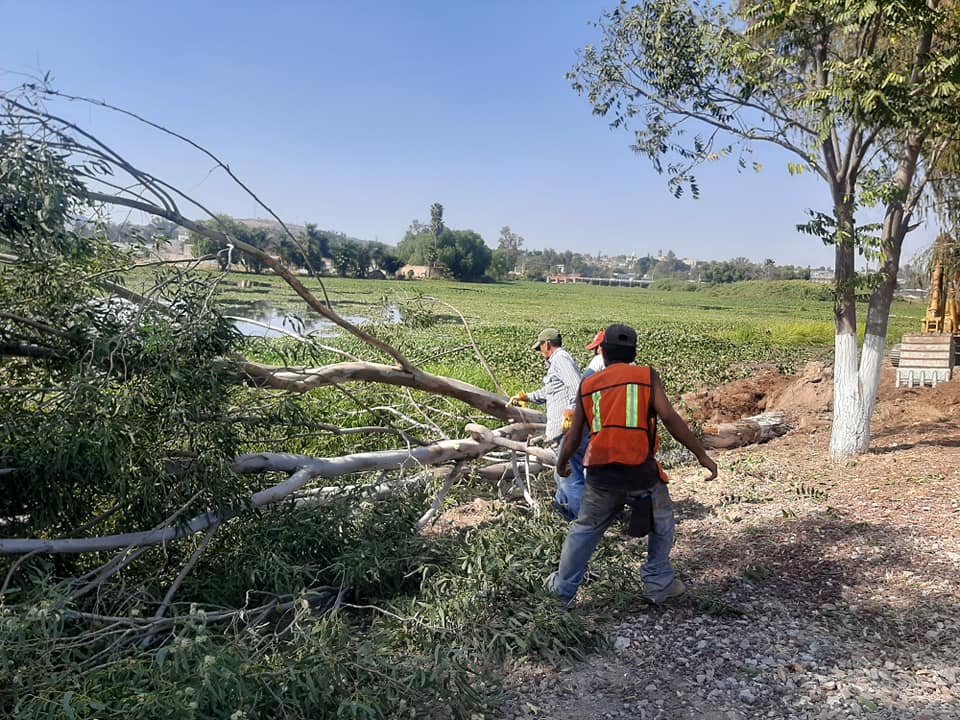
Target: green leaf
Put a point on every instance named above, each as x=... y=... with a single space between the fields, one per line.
x=67 y=707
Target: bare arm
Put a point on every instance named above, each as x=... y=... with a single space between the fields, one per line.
x=572 y=438
x=677 y=427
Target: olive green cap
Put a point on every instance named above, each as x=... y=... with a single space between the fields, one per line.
x=551 y=334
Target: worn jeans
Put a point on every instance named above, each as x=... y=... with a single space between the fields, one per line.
x=599 y=509
x=569 y=495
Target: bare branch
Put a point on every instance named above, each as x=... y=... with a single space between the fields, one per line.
x=181 y=576
x=473 y=343
x=486 y=435
x=303 y=470
x=220 y=163
x=311 y=378
x=13 y=570
x=28 y=351
x=448 y=482
x=35 y=324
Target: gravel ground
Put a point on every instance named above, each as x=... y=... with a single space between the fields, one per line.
x=816 y=590
x=680 y=663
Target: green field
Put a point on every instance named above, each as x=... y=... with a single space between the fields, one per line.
x=428 y=623
x=694 y=335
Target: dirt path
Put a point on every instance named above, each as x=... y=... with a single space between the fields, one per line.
x=818 y=590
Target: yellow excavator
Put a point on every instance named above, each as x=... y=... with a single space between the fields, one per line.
x=930 y=356
x=943 y=313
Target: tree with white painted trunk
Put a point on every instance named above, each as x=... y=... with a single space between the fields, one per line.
x=864 y=95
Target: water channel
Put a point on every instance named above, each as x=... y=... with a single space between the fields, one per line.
x=266 y=321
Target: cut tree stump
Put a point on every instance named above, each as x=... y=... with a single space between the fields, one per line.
x=746 y=431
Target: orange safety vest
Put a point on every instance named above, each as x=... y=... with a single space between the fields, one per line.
x=618 y=404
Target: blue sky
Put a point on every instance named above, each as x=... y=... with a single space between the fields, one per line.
x=358 y=116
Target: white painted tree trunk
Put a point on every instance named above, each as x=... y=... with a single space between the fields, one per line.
x=855 y=384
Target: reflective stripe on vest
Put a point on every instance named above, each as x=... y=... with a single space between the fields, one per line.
x=633 y=411
x=597 y=422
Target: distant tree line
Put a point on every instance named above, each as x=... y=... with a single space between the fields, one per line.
x=324 y=251
x=459 y=254
x=738 y=269
x=456 y=254
x=315 y=249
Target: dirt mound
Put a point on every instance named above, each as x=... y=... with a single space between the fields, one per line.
x=806 y=399
x=463 y=517
x=901 y=408
x=809 y=393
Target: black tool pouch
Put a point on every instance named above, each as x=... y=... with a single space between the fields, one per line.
x=641 y=517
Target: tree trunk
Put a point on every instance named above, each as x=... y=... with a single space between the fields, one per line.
x=745 y=431
x=306 y=379
x=851 y=421
x=303 y=470
x=857 y=380
x=850 y=433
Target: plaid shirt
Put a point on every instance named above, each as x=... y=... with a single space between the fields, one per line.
x=559 y=391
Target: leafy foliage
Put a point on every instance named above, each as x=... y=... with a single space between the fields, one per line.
x=413 y=645
x=460 y=253
x=862 y=94
x=340 y=608
x=139 y=381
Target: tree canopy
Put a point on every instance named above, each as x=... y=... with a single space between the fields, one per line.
x=864 y=95
x=461 y=253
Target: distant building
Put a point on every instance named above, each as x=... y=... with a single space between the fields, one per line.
x=623 y=280
x=823 y=277
x=414 y=272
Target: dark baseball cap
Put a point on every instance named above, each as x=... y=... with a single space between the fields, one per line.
x=620 y=335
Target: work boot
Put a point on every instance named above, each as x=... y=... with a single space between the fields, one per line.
x=676 y=589
x=565 y=603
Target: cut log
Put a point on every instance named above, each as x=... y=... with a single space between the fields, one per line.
x=504 y=471
x=746 y=431
x=772 y=424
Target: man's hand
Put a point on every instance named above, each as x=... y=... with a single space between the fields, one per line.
x=710 y=465
x=518 y=400
x=567 y=420
x=564 y=470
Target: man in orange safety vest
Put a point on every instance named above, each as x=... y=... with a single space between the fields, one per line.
x=620 y=406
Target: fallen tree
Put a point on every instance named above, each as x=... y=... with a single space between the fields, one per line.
x=163 y=493
x=302 y=471
x=60 y=174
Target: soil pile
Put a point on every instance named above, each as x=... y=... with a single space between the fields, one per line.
x=808 y=394
x=806 y=399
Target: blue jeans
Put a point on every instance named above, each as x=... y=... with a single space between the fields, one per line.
x=570 y=489
x=600 y=507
